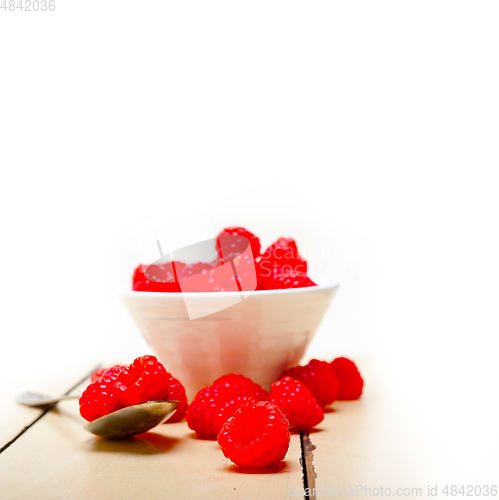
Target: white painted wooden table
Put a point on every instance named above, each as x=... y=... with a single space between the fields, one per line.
x=370 y=443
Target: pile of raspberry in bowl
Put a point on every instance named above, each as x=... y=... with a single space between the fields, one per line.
x=252 y=426
x=280 y=266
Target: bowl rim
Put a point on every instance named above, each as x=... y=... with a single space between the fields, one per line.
x=327 y=285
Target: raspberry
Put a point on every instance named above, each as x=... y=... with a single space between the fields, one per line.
x=320 y=379
x=101 y=371
x=282 y=254
x=231 y=247
x=280 y=267
x=144 y=380
x=351 y=382
x=280 y=279
x=157 y=277
x=194 y=269
x=207 y=277
x=256 y=436
x=246 y=279
x=296 y=403
x=213 y=405
x=98 y=398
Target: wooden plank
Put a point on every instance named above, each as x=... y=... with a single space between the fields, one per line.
x=57 y=458
x=371 y=443
x=368 y=444
x=15 y=418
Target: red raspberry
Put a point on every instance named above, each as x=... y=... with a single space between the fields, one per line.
x=144 y=380
x=231 y=247
x=213 y=405
x=98 y=398
x=282 y=254
x=198 y=268
x=157 y=277
x=296 y=403
x=246 y=271
x=101 y=371
x=207 y=277
x=279 y=279
x=320 y=379
x=256 y=436
x=351 y=382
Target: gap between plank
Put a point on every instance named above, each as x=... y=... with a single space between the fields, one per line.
x=15 y=438
x=307 y=463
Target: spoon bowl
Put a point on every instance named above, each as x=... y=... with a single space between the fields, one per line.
x=132 y=420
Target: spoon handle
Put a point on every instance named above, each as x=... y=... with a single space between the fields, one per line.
x=35 y=400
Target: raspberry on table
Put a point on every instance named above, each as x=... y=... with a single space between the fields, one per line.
x=351 y=382
x=320 y=379
x=101 y=371
x=98 y=398
x=144 y=380
x=256 y=436
x=297 y=404
x=213 y=405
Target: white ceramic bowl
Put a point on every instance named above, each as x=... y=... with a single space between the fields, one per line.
x=258 y=337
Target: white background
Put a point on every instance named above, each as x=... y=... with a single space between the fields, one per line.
x=366 y=130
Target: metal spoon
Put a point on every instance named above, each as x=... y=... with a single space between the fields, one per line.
x=132 y=420
x=36 y=400
x=120 y=424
